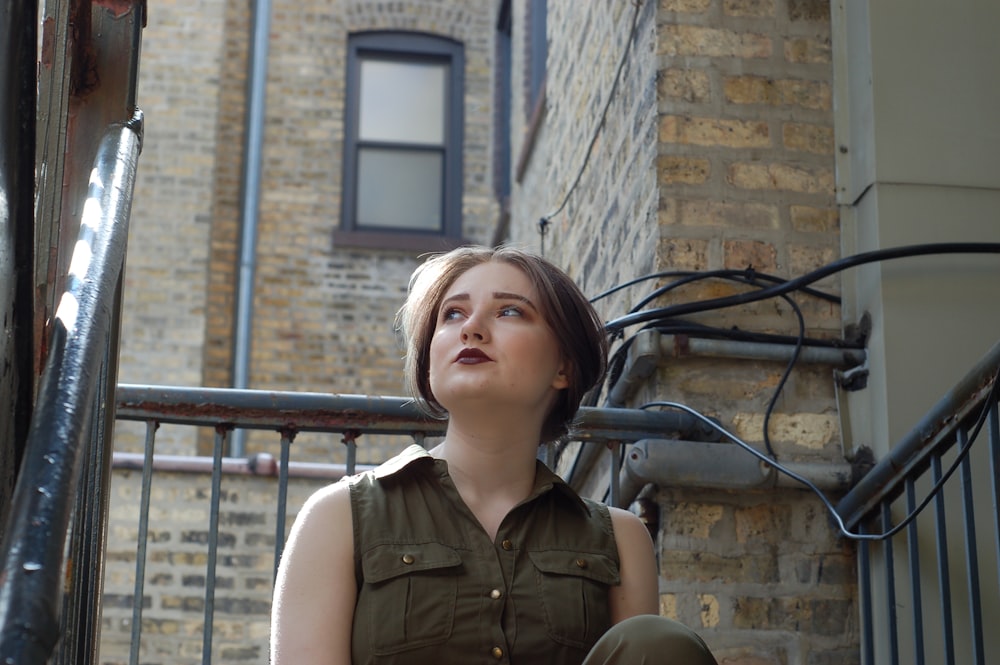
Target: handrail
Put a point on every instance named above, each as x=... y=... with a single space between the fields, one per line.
x=33 y=546
x=940 y=423
x=362 y=414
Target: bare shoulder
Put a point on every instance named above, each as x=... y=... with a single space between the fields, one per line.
x=315 y=590
x=629 y=529
x=638 y=592
x=332 y=500
x=325 y=514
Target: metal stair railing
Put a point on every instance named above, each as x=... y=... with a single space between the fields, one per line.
x=911 y=612
x=60 y=500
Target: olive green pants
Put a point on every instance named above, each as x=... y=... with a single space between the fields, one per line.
x=647 y=640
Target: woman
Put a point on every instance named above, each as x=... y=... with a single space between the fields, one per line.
x=475 y=551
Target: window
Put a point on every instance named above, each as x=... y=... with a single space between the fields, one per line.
x=403 y=139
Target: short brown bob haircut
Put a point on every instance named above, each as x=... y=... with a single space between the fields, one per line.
x=578 y=328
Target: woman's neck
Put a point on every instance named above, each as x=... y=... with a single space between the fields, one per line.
x=492 y=473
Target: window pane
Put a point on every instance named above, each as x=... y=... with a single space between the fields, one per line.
x=399 y=189
x=402 y=101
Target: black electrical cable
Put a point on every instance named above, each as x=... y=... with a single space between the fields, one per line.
x=746 y=275
x=962 y=454
x=799 y=282
x=781 y=289
x=784 y=377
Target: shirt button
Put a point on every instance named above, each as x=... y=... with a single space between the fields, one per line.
x=495 y=594
x=408 y=559
x=507 y=545
x=581 y=563
x=497 y=653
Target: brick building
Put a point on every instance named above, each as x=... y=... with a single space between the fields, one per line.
x=621 y=139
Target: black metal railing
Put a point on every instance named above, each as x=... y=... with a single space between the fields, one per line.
x=60 y=500
x=915 y=606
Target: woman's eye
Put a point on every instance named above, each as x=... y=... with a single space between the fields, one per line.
x=450 y=314
x=510 y=310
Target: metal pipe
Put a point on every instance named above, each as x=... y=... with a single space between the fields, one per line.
x=650 y=347
x=684 y=346
x=34 y=545
x=677 y=463
x=262 y=464
x=641 y=361
x=250 y=204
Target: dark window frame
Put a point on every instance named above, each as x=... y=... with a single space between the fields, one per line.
x=404 y=47
x=537 y=52
x=535 y=75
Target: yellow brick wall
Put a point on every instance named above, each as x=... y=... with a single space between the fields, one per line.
x=717 y=153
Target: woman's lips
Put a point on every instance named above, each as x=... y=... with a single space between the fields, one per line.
x=470 y=356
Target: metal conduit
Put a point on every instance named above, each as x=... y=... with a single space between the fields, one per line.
x=673 y=463
x=250 y=203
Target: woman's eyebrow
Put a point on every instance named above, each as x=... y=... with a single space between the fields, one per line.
x=455 y=298
x=504 y=295
x=497 y=295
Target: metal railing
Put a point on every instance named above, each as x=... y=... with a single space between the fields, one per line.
x=911 y=612
x=61 y=492
x=288 y=414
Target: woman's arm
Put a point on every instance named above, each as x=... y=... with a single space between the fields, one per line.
x=315 y=592
x=639 y=591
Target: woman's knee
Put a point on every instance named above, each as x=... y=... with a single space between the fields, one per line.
x=650 y=639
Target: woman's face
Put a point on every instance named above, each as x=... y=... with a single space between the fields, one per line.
x=491 y=344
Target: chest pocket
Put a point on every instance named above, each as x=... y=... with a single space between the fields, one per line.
x=573 y=588
x=408 y=595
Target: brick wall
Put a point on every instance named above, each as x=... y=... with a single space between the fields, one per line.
x=616 y=194
x=163 y=325
x=322 y=315
x=717 y=152
x=176 y=565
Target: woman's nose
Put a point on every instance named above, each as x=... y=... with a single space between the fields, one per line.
x=474 y=328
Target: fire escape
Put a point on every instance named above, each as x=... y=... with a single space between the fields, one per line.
x=62 y=259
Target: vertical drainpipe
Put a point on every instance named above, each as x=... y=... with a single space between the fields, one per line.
x=250 y=205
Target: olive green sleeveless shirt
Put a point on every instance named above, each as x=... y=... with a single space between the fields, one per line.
x=433 y=589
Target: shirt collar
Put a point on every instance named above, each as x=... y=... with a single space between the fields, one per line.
x=545 y=478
